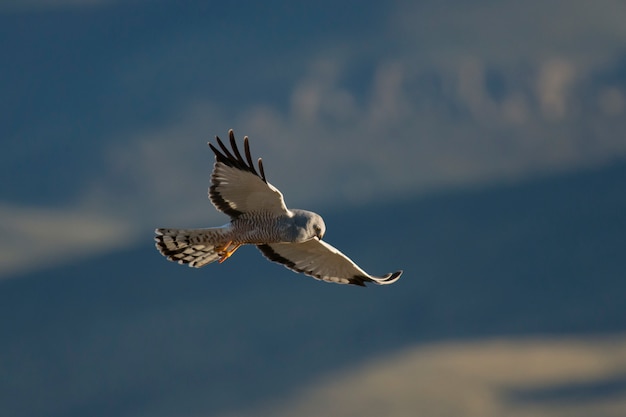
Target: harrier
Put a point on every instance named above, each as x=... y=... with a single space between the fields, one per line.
x=259 y=216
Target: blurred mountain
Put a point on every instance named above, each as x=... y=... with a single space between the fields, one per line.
x=554 y=376
x=130 y=334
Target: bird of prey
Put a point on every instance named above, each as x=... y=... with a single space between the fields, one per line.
x=259 y=216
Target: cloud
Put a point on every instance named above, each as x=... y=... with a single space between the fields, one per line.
x=554 y=81
x=159 y=169
x=481 y=378
x=36 y=238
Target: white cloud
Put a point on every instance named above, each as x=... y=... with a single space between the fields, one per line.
x=555 y=79
x=35 y=238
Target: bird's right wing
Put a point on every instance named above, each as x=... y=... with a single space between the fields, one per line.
x=322 y=261
x=237 y=187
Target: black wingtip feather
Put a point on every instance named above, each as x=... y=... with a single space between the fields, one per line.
x=226 y=155
x=233 y=145
x=234 y=158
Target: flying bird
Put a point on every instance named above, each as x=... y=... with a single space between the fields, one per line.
x=259 y=216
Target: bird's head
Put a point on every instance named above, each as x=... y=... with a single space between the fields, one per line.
x=309 y=225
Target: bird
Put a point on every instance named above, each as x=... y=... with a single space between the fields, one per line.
x=259 y=216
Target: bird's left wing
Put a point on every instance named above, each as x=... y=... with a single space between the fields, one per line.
x=322 y=261
x=237 y=187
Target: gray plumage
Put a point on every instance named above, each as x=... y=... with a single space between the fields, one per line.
x=260 y=217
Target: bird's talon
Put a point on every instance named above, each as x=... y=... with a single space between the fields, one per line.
x=227 y=251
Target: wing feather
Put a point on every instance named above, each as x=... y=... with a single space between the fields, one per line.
x=322 y=261
x=237 y=187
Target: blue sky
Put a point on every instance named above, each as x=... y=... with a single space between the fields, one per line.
x=108 y=105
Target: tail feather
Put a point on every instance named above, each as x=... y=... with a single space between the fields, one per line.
x=193 y=247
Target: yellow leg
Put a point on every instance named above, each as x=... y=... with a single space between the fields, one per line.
x=224 y=248
x=227 y=251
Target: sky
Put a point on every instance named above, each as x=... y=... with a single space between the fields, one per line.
x=106 y=110
x=108 y=105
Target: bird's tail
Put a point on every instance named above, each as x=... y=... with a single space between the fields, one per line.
x=194 y=247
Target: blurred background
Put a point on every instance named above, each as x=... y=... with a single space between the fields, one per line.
x=478 y=145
